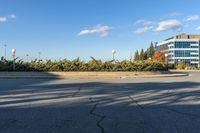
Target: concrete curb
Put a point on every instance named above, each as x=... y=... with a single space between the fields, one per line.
x=163 y=75
x=28 y=77
x=87 y=75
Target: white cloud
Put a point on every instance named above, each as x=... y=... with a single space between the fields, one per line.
x=6 y=18
x=102 y=30
x=144 y=22
x=173 y=14
x=143 y=29
x=171 y=24
x=198 y=28
x=12 y=16
x=3 y=19
x=193 y=18
x=146 y=26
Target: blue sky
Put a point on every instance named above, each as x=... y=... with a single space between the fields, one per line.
x=84 y=28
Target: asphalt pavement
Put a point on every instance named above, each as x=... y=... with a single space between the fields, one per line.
x=138 y=105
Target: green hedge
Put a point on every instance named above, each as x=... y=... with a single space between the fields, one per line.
x=78 y=65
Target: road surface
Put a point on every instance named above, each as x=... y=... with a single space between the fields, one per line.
x=140 y=105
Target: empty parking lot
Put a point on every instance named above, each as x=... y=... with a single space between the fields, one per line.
x=138 y=105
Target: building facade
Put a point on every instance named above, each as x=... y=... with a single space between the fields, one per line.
x=181 y=48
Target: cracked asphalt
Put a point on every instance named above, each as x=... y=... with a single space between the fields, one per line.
x=139 y=105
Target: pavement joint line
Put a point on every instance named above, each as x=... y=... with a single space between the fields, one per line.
x=92 y=112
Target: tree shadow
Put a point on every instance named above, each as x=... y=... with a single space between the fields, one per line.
x=53 y=106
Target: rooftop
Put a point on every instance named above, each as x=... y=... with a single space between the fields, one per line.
x=185 y=36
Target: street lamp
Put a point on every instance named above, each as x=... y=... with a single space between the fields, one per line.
x=27 y=55
x=113 y=52
x=5 y=51
x=14 y=54
x=166 y=58
x=39 y=54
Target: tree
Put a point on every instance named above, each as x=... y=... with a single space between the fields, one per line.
x=145 y=55
x=142 y=54
x=159 y=56
x=136 y=56
x=150 y=51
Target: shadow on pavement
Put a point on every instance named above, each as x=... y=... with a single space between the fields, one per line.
x=92 y=107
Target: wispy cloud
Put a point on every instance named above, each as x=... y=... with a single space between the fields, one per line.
x=175 y=14
x=143 y=29
x=102 y=30
x=3 y=19
x=174 y=21
x=198 y=28
x=171 y=24
x=144 y=26
x=144 y=22
x=193 y=18
x=12 y=16
x=6 y=18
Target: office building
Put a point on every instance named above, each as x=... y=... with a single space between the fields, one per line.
x=183 y=47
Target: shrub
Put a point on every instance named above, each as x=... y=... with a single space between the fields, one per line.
x=181 y=65
x=78 y=65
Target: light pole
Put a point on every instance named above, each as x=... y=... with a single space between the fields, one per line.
x=39 y=54
x=13 y=54
x=113 y=52
x=166 y=58
x=27 y=55
x=131 y=57
x=5 y=51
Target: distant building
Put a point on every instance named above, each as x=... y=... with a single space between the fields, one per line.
x=183 y=47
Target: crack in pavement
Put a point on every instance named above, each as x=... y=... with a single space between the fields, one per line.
x=79 y=89
x=176 y=127
x=170 y=91
x=92 y=112
x=10 y=123
x=116 y=125
x=143 y=115
x=180 y=112
x=136 y=102
x=169 y=109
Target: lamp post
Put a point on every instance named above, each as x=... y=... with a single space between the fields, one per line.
x=13 y=54
x=131 y=57
x=39 y=55
x=27 y=55
x=113 y=53
x=166 y=58
x=5 y=51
